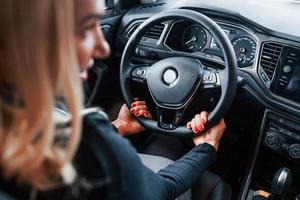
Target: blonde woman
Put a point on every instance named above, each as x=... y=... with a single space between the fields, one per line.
x=44 y=46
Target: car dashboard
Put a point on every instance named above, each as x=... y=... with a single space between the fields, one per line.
x=267 y=59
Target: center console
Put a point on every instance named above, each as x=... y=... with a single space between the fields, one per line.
x=282 y=135
x=275 y=169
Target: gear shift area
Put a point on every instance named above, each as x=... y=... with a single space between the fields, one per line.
x=282 y=179
x=280 y=183
x=274 y=173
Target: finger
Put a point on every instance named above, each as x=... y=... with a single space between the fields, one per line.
x=132 y=110
x=142 y=113
x=138 y=108
x=204 y=117
x=136 y=99
x=147 y=115
x=138 y=113
x=189 y=125
x=138 y=103
x=194 y=126
x=199 y=122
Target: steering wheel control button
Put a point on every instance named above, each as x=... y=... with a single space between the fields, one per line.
x=139 y=73
x=206 y=77
x=209 y=78
x=294 y=151
x=141 y=52
x=169 y=77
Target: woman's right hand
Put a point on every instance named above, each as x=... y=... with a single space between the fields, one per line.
x=126 y=123
x=212 y=135
x=139 y=108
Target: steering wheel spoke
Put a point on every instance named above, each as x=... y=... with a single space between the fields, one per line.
x=168 y=118
x=210 y=79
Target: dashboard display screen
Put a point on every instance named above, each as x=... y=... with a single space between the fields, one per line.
x=294 y=84
x=292 y=90
x=287 y=80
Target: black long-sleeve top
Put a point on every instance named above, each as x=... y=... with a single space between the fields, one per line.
x=108 y=167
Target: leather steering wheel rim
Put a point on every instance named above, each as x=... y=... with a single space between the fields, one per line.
x=228 y=76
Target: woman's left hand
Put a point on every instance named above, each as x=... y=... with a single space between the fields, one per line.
x=126 y=123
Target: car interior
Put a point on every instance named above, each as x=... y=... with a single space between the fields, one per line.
x=235 y=59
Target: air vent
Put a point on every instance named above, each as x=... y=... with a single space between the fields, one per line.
x=153 y=33
x=270 y=57
x=132 y=29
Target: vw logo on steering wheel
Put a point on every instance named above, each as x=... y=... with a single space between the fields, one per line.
x=169 y=76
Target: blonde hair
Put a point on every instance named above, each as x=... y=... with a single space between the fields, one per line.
x=37 y=48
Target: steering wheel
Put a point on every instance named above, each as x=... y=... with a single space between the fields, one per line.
x=173 y=82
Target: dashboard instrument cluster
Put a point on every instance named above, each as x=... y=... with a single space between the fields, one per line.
x=188 y=37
